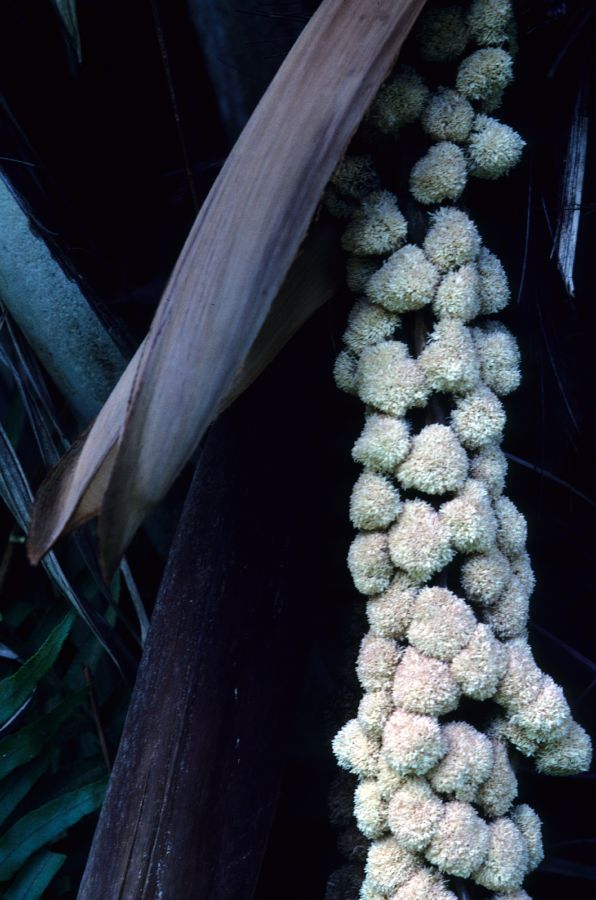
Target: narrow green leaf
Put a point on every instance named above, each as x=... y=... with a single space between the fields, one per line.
x=34 y=878
x=16 y=493
x=69 y=777
x=46 y=824
x=18 y=785
x=15 y=689
x=23 y=746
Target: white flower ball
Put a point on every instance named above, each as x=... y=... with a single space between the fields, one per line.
x=399 y=102
x=447 y=116
x=377 y=228
x=484 y=73
x=406 y=281
x=389 y=379
x=493 y=148
x=439 y=175
x=458 y=294
x=419 y=543
x=437 y=462
x=452 y=239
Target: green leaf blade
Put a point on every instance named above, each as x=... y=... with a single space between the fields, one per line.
x=15 y=689
x=23 y=746
x=46 y=824
x=35 y=877
x=18 y=784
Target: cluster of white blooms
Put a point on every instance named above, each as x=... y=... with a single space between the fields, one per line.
x=434 y=799
x=468 y=140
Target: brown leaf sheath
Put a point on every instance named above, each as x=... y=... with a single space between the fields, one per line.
x=231 y=268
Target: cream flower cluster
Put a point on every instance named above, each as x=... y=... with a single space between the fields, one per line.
x=468 y=141
x=440 y=551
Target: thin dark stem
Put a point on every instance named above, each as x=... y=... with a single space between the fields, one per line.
x=95 y=712
x=174 y=101
x=6 y=561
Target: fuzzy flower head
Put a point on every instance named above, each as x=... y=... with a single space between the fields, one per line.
x=522 y=568
x=498 y=792
x=490 y=467
x=479 y=667
x=484 y=577
x=355 y=177
x=470 y=519
x=493 y=148
x=546 y=716
x=388 y=780
x=358 y=271
x=449 y=360
x=370 y=809
x=484 y=73
x=399 y=102
x=479 y=419
x=436 y=464
x=442 y=623
x=531 y=827
x=345 y=372
x=419 y=543
x=509 y=617
x=374 y=503
x=406 y=281
x=425 y=885
x=568 y=754
x=522 y=679
x=369 y=563
x=516 y=736
x=368 y=324
x=374 y=709
x=388 y=865
x=447 y=116
x=499 y=358
x=368 y=892
x=513 y=528
x=494 y=286
x=389 y=379
x=441 y=33
x=390 y=614
x=507 y=861
x=467 y=763
x=355 y=751
x=440 y=175
x=544 y=719
x=452 y=240
x=460 y=843
x=424 y=685
x=458 y=294
x=377 y=662
x=378 y=227
x=490 y=21
x=384 y=443
x=413 y=814
x=412 y=744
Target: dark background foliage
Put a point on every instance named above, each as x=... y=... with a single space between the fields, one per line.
x=113 y=156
